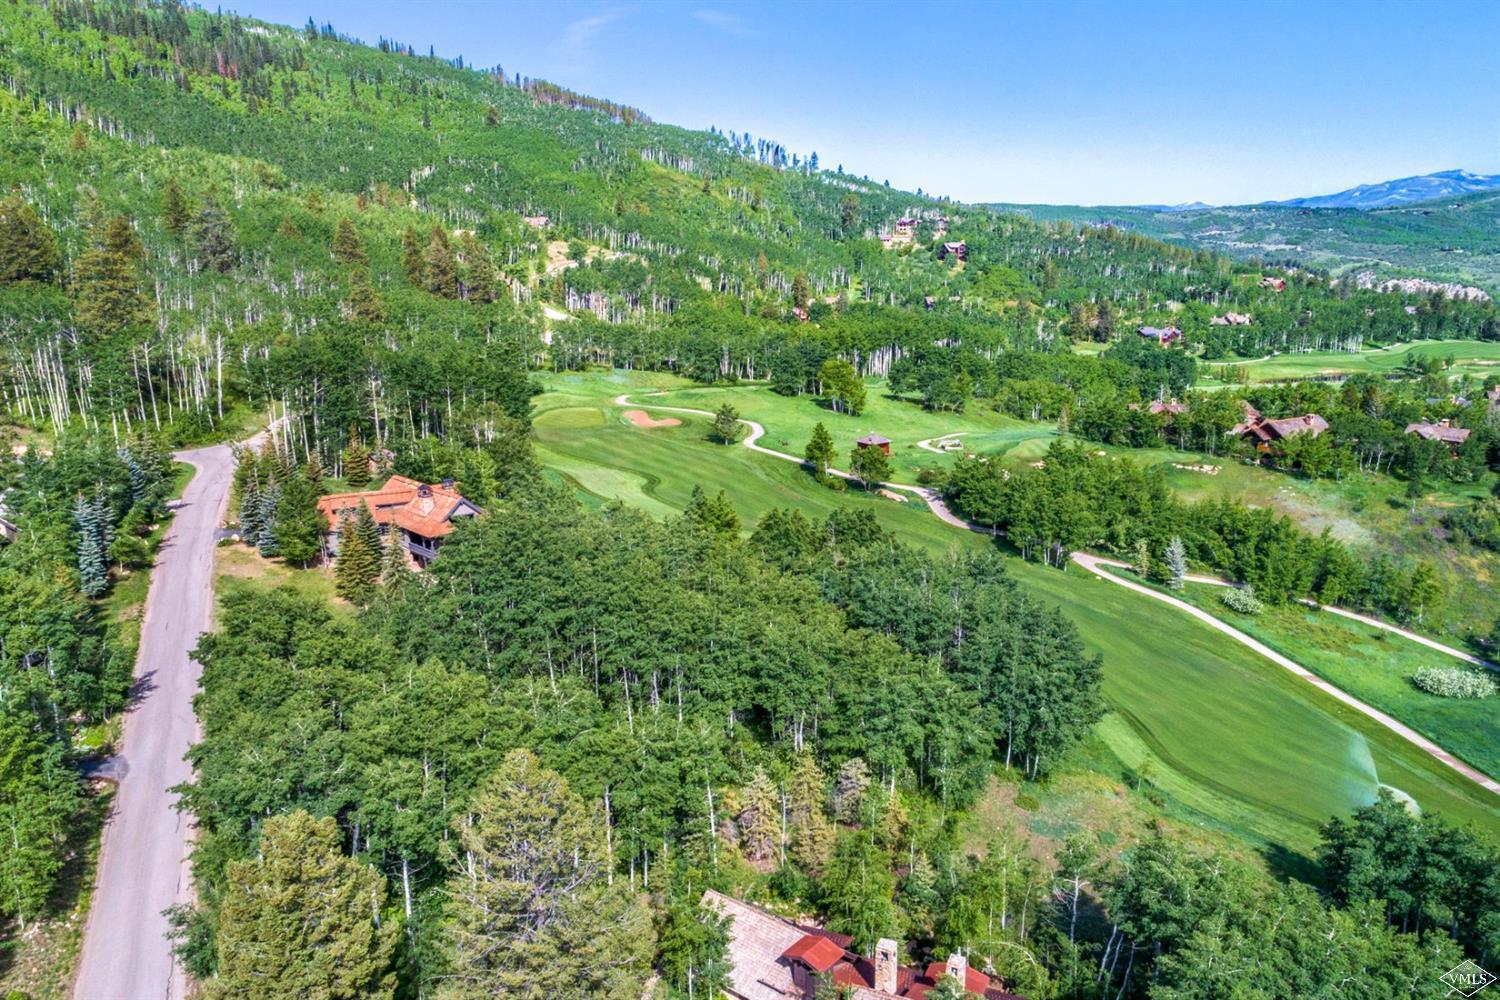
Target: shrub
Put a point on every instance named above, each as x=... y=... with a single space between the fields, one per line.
x=1027 y=801
x=1454 y=682
x=1242 y=600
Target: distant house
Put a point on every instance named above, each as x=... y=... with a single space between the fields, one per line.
x=1276 y=284
x=1442 y=431
x=875 y=441
x=1231 y=319
x=958 y=250
x=1162 y=335
x=1170 y=407
x=418 y=515
x=772 y=958
x=1262 y=432
x=536 y=221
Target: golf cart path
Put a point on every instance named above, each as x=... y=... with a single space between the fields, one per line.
x=1095 y=564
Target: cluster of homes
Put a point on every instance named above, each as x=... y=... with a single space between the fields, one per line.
x=778 y=959
x=1262 y=431
x=415 y=515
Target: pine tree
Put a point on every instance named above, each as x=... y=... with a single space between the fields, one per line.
x=288 y=229
x=357 y=567
x=713 y=515
x=249 y=514
x=801 y=291
x=298 y=525
x=314 y=201
x=819 y=453
x=93 y=550
x=28 y=248
x=364 y=524
x=395 y=568
x=356 y=462
x=759 y=818
x=347 y=247
x=176 y=214
x=214 y=238
x=480 y=269
x=437 y=266
x=38 y=799
x=532 y=913
x=492 y=117
x=109 y=293
x=849 y=790
x=413 y=264
x=270 y=498
x=812 y=834
x=300 y=919
x=1176 y=562
x=364 y=302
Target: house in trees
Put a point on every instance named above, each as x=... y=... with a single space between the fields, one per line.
x=875 y=441
x=1162 y=335
x=536 y=221
x=1169 y=407
x=1443 y=431
x=1275 y=284
x=773 y=958
x=957 y=250
x=1230 y=319
x=1262 y=433
x=417 y=515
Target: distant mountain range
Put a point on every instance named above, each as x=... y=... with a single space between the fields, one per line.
x=1427 y=187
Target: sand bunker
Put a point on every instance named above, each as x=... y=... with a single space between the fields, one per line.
x=643 y=419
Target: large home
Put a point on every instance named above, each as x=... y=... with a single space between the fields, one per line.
x=419 y=515
x=1443 y=431
x=1275 y=284
x=958 y=250
x=1170 y=407
x=1262 y=432
x=1230 y=319
x=1163 y=335
x=776 y=959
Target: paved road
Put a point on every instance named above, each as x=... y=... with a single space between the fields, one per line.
x=143 y=864
x=1095 y=565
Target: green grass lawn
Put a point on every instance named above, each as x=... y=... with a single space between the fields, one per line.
x=1228 y=737
x=1376 y=667
x=1470 y=357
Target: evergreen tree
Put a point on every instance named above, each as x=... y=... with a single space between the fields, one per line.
x=176 y=214
x=437 y=266
x=858 y=889
x=302 y=919
x=108 y=287
x=91 y=520
x=759 y=819
x=214 y=238
x=801 y=291
x=368 y=529
x=480 y=270
x=727 y=426
x=395 y=569
x=28 y=249
x=347 y=247
x=288 y=229
x=491 y=117
x=532 y=913
x=356 y=462
x=819 y=453
x=1175 y=559
x=249 y=513
x=413 y=263
x=849 y=790
x=357 y=567
x=812 y=835
x=364 y=302
x=712 y=515
x=266 y=541
x=297 y=524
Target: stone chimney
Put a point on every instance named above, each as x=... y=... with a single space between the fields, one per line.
x=958 y=967
x=885 y=966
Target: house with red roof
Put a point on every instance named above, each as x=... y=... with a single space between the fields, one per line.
x=774 y=958
x=418 y=515
x=1443 y=431
x=1262 y=432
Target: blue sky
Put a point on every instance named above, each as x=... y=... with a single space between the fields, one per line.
x=1082 y=102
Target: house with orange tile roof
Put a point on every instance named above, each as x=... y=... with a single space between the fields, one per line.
x=418 y=515
x=773 y=958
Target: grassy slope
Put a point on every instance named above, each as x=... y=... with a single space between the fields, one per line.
x=1418 y=239
x=1474 y=358
x=1235 y=740
x=1374 y=666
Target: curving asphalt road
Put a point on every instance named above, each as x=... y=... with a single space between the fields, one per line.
x=1094 y=563
x=143 y=863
